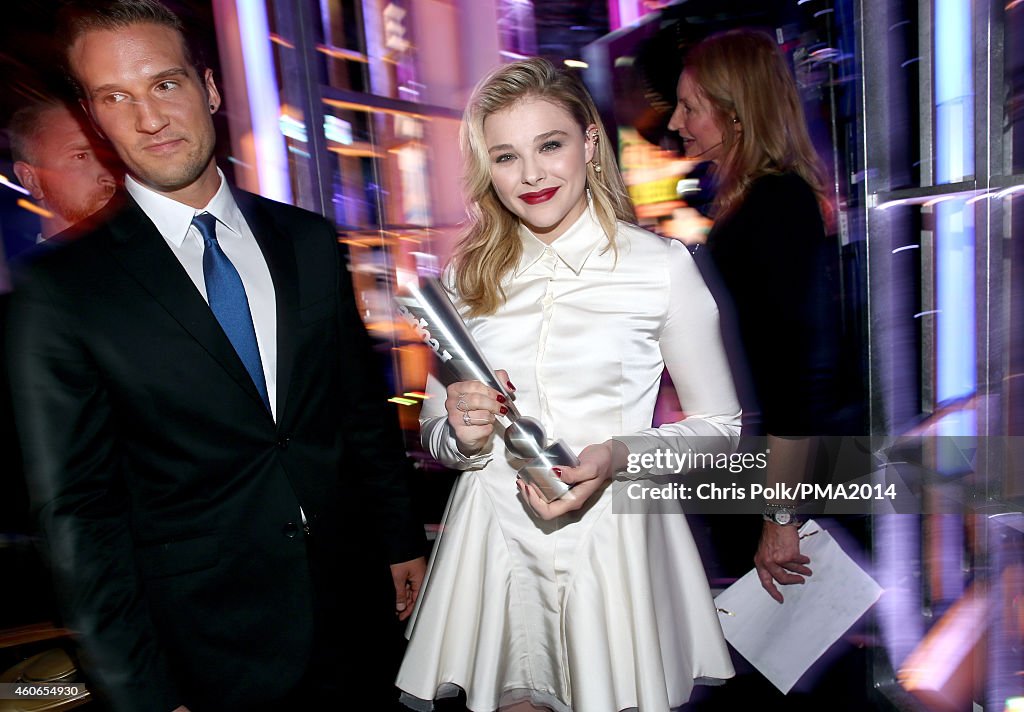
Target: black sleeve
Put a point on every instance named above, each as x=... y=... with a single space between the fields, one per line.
x=373 y=440
x=65 y=422
x=776 y=270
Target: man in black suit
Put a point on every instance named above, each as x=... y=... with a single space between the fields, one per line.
x=199 y=407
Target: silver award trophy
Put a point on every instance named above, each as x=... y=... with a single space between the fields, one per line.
x=437 y=322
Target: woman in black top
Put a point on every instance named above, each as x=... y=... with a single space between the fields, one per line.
x=738 y=107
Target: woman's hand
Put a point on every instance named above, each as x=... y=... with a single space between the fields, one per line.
x=778 y=558
x=598 y=464
x=471 y=408
x=688 y=226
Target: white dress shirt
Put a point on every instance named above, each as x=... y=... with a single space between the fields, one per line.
x=174 y=222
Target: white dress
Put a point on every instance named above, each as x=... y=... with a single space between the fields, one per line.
x=597 y=611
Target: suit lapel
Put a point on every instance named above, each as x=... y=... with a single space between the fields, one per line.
x=139 y=248
x=280 y=256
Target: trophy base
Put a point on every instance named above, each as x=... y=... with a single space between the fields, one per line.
x=539 y=471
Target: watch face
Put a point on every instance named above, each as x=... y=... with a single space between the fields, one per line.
x=782 y=517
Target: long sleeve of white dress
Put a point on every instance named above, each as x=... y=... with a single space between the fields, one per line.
x=695 y=358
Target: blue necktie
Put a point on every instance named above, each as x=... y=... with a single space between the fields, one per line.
x=226 y=295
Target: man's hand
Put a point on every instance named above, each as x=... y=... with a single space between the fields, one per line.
x=181 y=708
x=778 y=558
x=407 y=577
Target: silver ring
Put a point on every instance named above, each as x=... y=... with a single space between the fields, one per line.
x=461 y=405
x=466 y=419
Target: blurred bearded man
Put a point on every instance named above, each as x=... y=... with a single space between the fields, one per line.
x=62 y=167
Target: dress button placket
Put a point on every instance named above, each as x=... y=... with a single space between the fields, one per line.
x=547 y=304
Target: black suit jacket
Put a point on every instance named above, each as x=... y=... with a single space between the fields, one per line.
x=167 y=493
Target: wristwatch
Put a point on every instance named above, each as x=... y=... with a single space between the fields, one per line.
x=780 y=514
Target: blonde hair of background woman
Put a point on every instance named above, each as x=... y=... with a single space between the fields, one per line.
x=490 y=247
x=744 y=76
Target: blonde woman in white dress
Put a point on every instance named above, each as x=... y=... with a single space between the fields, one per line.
x=568 y=605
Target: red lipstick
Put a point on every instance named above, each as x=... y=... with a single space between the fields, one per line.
x=541 y=196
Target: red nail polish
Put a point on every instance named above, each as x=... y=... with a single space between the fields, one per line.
x=510 y=386
x=503 y=410
x=501 y=398
x=557 y=471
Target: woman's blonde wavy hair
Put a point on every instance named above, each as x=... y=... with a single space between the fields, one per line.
x=744 y=76
x=490 y=248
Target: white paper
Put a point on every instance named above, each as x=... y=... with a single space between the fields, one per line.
x=784 y=640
